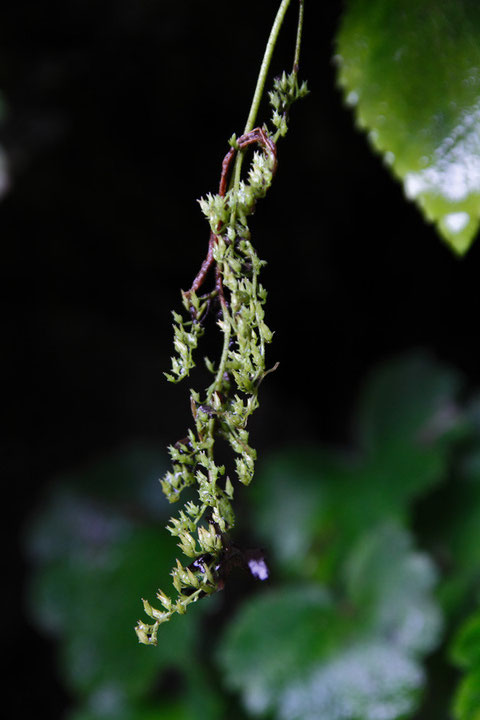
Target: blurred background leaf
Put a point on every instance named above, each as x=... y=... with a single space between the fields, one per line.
x=411 y=70
x=351 y=651
x=98 y=545
x=277 y=637
x=407 y=421
x=458 y=523
x=466 y=653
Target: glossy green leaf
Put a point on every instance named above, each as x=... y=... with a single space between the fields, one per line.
x=367 y=681
x=392 y=585
x=411 y=70
x=307 y=653
x=277 y=637
x=466 y=653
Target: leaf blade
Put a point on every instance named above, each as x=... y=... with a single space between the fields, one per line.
x=411 y=71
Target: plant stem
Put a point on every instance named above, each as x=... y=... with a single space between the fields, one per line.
x=223 y=360
x=267 y=57
x=262 y=76
x=296 y=59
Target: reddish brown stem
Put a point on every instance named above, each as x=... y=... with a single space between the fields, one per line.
x=257 y=135
x=227 y=161
x=205 y=267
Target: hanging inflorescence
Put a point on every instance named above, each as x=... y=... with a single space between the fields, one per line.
x=223 y=410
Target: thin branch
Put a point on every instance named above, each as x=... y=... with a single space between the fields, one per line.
x=267 y=57
x=296 y=59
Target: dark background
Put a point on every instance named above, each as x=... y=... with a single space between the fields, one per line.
x=119 y=112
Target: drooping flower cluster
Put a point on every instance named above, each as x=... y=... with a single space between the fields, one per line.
x=224 y=409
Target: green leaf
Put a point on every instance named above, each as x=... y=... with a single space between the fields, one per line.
x=411 y=70
x=407 y=420
x=106 y=707
x=465 y=524
x=453 y=517
x=365 y=682
x=392 y=585
x=310 y=652
x=197 y=700
x=277 y=637
x=466 y=653
x=467 y=701
x=292 y=501
x=466 y=649
x=410 y=399
x=94 y=550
